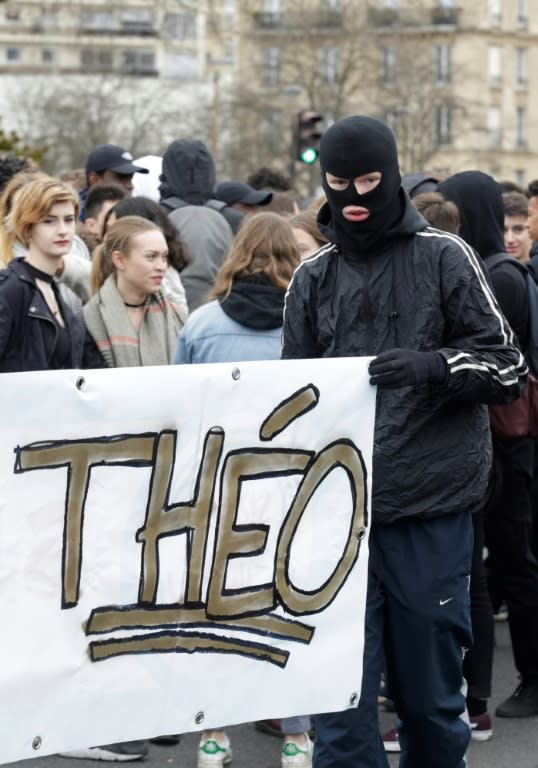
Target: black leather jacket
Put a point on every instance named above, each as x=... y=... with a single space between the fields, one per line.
x=28 y=333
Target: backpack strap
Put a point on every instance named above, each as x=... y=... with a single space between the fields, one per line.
x=171 y=203
x=217 y=205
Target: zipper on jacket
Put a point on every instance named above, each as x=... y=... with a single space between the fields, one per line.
x=32 y=312
x=367 y=312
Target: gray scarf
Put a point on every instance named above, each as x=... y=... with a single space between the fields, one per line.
x=108 y=323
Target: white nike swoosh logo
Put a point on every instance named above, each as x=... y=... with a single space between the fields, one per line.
x=444 y=602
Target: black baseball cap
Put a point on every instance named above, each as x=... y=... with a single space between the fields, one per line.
x=110 y=157
x=231 y=192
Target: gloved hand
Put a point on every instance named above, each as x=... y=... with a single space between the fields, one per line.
x=405 y=367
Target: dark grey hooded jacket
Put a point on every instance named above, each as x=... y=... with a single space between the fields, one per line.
x=421 y=289
x=188 y=178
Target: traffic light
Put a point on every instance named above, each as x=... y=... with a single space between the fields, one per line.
x=308 y=136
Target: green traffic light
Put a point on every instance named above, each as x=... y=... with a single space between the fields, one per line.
x=309 y=155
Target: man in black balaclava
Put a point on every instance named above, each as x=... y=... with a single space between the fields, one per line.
x=509 y=513
x=415 y=300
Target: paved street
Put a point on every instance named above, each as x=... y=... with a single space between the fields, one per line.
x=514 y=743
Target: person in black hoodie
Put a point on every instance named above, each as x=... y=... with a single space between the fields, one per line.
x=416 y=300
x=188 y=178
x=509 y=513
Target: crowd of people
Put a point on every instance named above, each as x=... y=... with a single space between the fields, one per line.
x=156 y=262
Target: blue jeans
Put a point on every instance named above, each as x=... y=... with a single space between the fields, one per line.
x=418 y=609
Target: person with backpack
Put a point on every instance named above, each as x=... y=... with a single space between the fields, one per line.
x=205 y=225
x=509 y=511
x=188 y=178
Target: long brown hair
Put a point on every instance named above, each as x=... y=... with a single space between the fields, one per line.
x=264 y=245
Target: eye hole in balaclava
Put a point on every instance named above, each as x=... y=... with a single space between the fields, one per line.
x=353 y=147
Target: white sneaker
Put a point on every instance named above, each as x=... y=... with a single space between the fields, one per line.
x=294 y=756
x=213 y=753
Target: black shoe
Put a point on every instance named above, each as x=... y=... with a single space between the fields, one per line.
x=272 y=727
x=522 y=703
x=172 y=738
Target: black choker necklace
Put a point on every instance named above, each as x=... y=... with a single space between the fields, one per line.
x=134 y=306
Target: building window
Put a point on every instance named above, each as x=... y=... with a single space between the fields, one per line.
x=49 y=19
x=521 y=13
x=495 y=14
x=442 y=63
x=12 y=14
x=519 y=177
x=137 y=22
x=521 y=128
x=494 y=127
x=329 y=66
x=390 y=60
x=138 y=62
x=521 y=67
x=494 y=66
x=96 y=21
x=272 y=12
x=48 y=55
x=270 y=129
x=96 y=59
x=271 y=67
x=393 y=4
x=180 y=26
x=13 y=54
x=442 y=129
x=183 y=66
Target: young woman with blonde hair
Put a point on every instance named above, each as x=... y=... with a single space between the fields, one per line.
x=129 y=318
x=243 y=321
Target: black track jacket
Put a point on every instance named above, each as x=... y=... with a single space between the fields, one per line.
x=422 y=289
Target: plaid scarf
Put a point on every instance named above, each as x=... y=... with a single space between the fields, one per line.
x=108 y=323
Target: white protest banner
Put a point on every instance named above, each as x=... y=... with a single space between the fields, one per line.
x=180 y=548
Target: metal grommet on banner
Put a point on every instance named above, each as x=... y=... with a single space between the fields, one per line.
x=361 y=533
x=236 y=374
x=199 y=718
x=36 y=743
x=81 y=381
x=353 y=699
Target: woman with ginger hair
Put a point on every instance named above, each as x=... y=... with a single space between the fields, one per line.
x=38 y=331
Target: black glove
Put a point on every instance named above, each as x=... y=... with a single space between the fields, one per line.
x=405 y=367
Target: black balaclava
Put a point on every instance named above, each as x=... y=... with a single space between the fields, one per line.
x=480 y=203
x=352 y=147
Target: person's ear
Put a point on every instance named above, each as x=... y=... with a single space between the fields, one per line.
x=118 y=260
x=93 y=178
x=90 y=225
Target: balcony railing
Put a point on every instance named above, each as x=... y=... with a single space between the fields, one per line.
x=319 y=20
x=409 y=17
